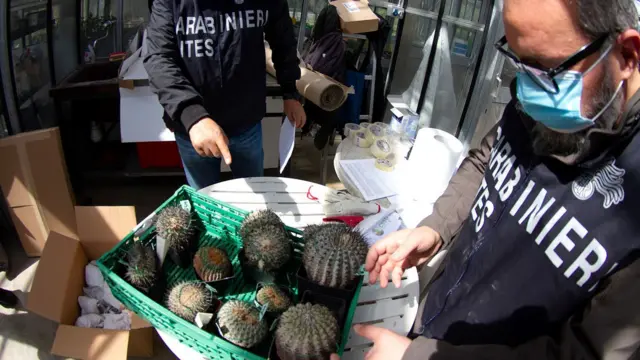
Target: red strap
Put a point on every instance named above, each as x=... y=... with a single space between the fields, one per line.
x=309 y=196
x=378 y=208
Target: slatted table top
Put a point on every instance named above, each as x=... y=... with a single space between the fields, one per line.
x=392 y=308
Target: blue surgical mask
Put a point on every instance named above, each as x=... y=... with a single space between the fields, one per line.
x=562 y=111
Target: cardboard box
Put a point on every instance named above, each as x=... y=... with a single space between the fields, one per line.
x=33 y=178
x=59 y=280
x=355 y=16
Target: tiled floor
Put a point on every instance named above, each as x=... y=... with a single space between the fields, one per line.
x=27 y=336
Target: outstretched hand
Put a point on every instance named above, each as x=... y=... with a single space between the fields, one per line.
x=387 y=345
x=399 y=251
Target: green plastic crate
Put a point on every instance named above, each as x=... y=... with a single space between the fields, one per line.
x=221 y=223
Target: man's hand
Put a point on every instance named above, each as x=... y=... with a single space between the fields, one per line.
x=387 y=345
x=294 y=111
x=209 y=140
x=399 y=251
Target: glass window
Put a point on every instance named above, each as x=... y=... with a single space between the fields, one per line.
x=136 y=15
x=30 y=60
x=65 y=45
x=98 y=27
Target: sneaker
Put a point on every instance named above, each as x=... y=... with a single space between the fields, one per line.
x=8 y=299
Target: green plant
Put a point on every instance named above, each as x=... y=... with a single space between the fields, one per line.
x=265 y=241
x=174 y=226
x=307 y=331
x=333 y=254
x=141 y=266
x=212 y=264
x=276 y=299
x=186 y=299
x=239 y=322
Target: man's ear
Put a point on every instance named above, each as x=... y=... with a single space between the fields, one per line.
x=629 y=41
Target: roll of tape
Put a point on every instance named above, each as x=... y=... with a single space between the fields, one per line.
x=348 y=128
x=384 y=165
x=365 y=125
x=392 y=158
x=375 y=132
x=384 y=126
x=360 y=139
x=381 y=149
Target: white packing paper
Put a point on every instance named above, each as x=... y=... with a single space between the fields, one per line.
x=287 y=141
x=372 y=183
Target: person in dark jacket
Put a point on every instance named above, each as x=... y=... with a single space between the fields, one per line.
x=206 y=63
x=540 y=224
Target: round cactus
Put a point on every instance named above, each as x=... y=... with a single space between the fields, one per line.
x=276 y=299
x=265 y=241
x=212 y=264
x=174 y=225
x=333 y=254
x=187 y=299
x=141 y=267
x=307 y=331
x=239 y=322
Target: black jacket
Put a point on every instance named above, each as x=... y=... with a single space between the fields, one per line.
x=206 y=59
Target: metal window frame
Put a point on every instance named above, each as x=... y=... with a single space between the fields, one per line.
x=6 y=73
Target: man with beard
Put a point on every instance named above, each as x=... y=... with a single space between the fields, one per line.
x=540 y=223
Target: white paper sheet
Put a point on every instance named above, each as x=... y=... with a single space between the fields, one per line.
x=372 y=183
x=287 y=140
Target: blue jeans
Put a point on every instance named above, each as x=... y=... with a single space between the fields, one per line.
x=247 y=158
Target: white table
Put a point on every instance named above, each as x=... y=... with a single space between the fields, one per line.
x=391 y=308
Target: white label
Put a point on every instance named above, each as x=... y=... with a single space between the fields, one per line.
x=161 y=248
x=185 y=204
x=351 y=6
x=203 y=319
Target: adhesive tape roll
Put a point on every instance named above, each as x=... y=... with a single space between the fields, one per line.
x=392 y=158
x=384 y=165
x=348 y=128
x=365 y=125
x=381 y=149
x=382 y=125
x=375 y=132
x=360 y=139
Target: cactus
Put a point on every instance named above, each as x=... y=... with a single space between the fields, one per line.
x=141 y=266
x=174 y=225
x=212 y=264
x=276 y=299
x=333 y=254
x=239 y=322
x=187 y=299
x=266 y=245
x=307 y=331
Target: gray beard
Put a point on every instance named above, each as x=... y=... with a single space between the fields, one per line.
x=547 y=142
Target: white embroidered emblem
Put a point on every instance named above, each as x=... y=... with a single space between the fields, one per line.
x=607 y=181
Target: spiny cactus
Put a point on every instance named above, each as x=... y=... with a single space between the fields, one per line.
x=212 y=264
x=276 y=299
x=174 y=225
x=141 y=266
x=266 y=245
x=333 y=254
x=240 y=323
x=187 y=299
x=307 y=331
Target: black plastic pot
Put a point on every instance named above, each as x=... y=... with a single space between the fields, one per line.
x=252 y=273
x=306 y=284
x=184 y=257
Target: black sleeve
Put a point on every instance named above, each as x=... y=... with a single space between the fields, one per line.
x=164 y=65
x=279 y=34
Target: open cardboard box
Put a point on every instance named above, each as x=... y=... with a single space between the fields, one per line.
x=59 y=280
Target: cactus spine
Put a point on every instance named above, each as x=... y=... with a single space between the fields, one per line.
x=174 y=225
x=276 y=299
x=333 y=254
x=187 y=299
x=307 y=332
x=265 y=241
x=239 y=322
x=141 y=268
x=212 y=264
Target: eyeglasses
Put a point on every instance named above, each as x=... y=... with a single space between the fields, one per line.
x=545 y=78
